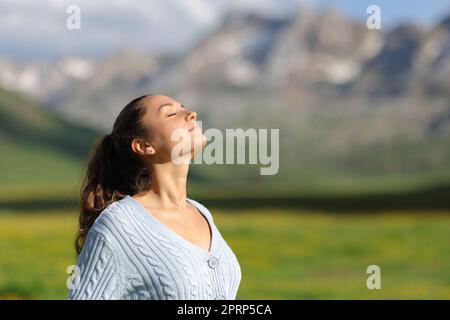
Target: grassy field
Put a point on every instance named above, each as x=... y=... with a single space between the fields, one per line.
x=284 y=254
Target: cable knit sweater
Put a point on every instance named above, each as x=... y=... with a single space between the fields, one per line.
x=129 y=254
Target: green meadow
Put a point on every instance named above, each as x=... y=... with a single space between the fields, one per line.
x=283 y=253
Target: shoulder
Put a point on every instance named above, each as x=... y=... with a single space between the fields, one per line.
x=109 y=223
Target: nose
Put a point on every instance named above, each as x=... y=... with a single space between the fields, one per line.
x=192 y=115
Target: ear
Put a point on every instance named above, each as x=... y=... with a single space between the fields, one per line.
x=142 y=147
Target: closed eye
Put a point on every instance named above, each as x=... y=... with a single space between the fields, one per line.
x=172 y=114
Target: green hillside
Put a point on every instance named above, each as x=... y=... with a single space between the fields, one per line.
x=37 y=147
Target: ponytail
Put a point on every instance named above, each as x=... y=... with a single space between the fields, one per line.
x=99 y=186
x=113 y=169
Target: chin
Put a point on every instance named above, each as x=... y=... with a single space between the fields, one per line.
x=199 y=145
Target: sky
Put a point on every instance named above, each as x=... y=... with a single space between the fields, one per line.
x=37 y=29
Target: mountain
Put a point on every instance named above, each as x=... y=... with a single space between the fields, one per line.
x=84 y=89
x=412 y=60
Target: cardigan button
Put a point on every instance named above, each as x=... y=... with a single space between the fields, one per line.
x=213 y=262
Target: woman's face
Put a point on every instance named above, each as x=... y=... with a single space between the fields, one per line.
x=172 y=128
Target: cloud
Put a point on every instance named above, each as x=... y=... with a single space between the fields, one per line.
x=39 y=28
x=33 y=29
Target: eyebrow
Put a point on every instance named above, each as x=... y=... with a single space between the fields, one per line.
x=169 y=104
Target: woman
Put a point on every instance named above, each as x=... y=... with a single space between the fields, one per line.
x=140 y=236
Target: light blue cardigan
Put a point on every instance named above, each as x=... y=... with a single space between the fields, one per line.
x=129 y=254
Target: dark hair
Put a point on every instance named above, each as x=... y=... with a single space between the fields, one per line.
x=113 y=169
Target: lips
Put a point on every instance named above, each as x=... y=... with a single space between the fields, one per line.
x=193 y=128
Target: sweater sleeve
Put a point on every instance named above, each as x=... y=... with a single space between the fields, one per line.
x=97 y=274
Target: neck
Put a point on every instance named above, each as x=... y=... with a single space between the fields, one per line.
x=168 y=185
